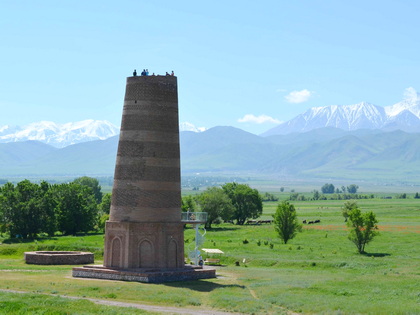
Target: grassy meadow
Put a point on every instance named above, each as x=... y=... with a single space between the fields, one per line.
x=318 y=272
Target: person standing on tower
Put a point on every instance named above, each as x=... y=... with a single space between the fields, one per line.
x=135 y=73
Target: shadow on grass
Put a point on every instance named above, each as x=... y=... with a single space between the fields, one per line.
x=201 y=285
x=376 y=254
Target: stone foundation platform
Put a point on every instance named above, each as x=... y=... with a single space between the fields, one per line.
x=58 y=258
x=148 y=275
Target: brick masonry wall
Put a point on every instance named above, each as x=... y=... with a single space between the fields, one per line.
x=145 y=229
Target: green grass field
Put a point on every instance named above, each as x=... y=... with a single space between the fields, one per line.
x=318 y=272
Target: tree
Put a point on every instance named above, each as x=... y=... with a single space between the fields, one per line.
x=269 y=197
x=105 y=205
x=348 y=206
x=285 y=221
x=247 y=201
x=328 y=189
x=352 y=189
x=47 y=205
x=8 y=205
x=216 y=203
x=363 y=228
x=316 y=195
x=188 y=204
x=93 y=183
x=76 y=208
x=22 y=209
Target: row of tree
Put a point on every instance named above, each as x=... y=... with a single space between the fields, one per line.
x=230 y=202
x=330 y=189
x=28 y=209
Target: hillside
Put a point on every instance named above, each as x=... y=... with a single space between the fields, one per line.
x=322 y=154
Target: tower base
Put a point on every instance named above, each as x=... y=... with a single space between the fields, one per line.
x=148 y=275
x=144 y=245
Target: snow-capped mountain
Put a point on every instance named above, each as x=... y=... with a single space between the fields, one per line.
x=187 y=126
x=60 y=135
x=404 y=116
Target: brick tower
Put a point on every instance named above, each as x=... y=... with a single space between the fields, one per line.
x=144 y=229
x=144 y=236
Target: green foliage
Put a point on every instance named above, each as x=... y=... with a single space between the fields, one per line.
x=188 y=204
x=328 y=189
x=216 y=203
x=352 y=189
x=24 y=208
x=105 y=205
x=28 y=209
x=285 y=221
x=76 y=208
x=93 y=183
x=101 y=222
x=247 y=201
x=298 y=197
x=362 y=228
x=269 y=197
x=348 y=206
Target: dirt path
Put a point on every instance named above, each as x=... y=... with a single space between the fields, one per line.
x=145 y=307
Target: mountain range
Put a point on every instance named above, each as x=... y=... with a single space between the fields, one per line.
x=59 y=135
x=62 y=135
x=322 y=154
x=404 y=116
x=354 y=142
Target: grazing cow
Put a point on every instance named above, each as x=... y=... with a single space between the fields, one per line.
x=311 y=222
x=317 y=221
x=304 y=221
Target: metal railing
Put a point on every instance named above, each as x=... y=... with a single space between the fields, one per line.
x=194 y=217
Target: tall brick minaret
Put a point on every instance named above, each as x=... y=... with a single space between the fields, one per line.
x=144 y=229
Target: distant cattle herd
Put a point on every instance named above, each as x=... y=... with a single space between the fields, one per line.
x=311 y=222
x=258 y=222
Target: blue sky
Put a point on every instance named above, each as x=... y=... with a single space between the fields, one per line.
x=248 y=64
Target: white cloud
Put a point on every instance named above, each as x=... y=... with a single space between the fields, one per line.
x=187 y=126
x=262 y=119
x=410 y=94
x=298 y=96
